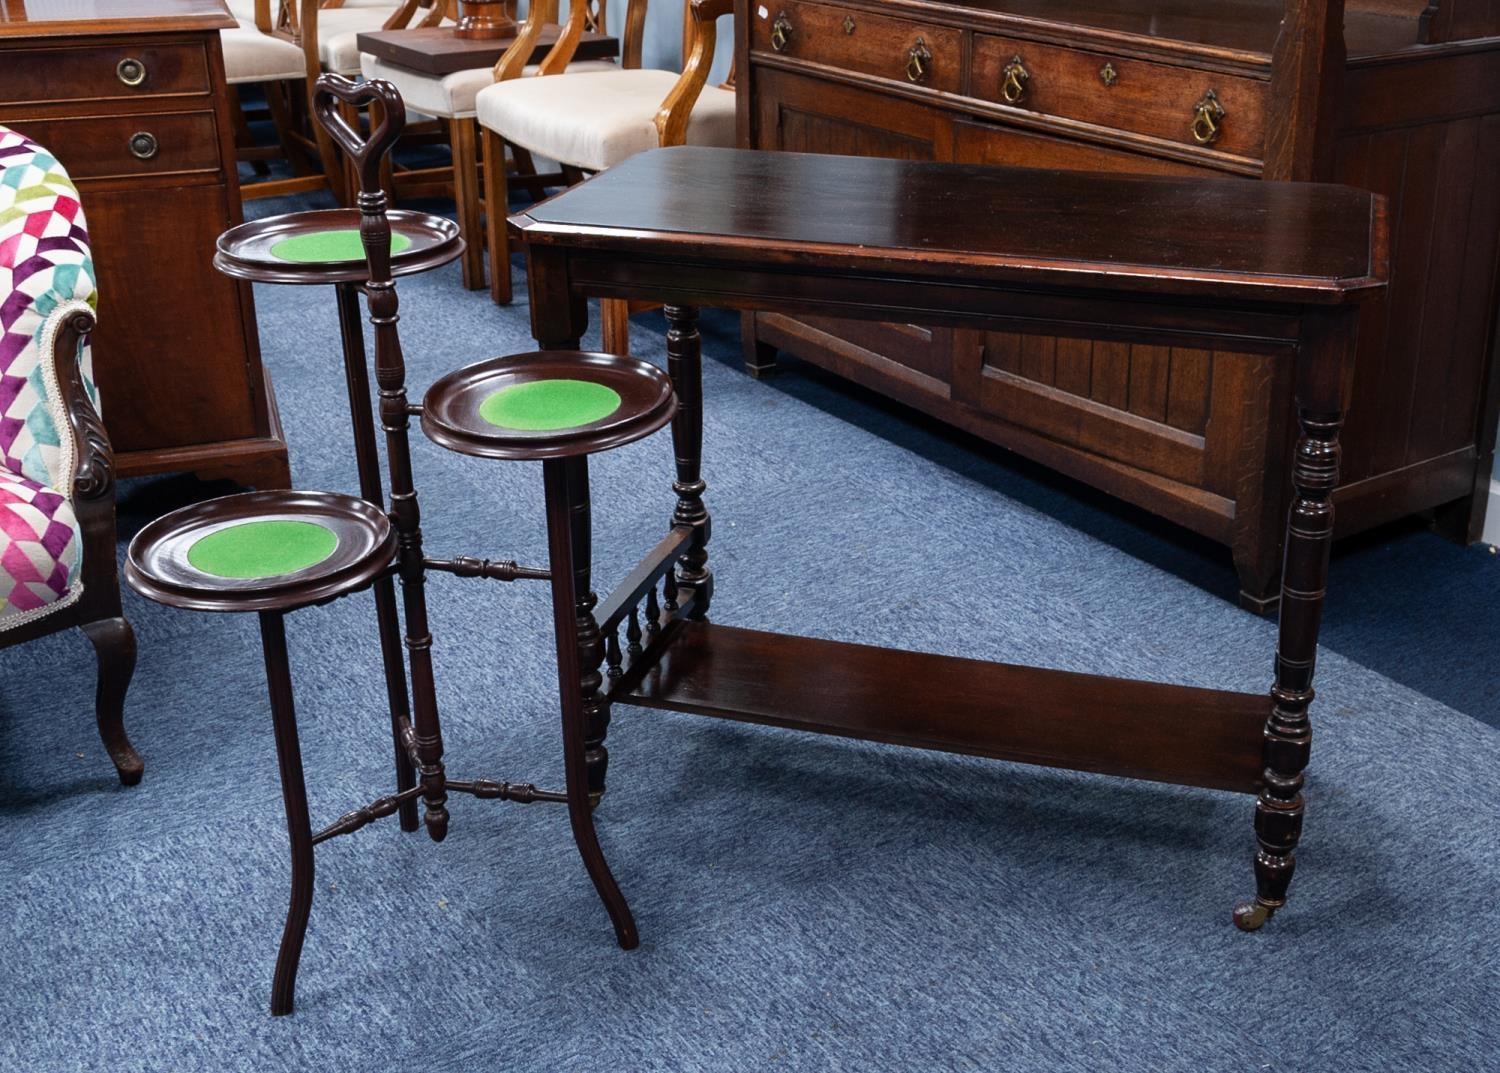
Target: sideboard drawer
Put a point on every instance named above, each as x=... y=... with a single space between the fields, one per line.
x=990 y=143
x=102 y=72
x=108 y=147
x=852 y=40
x=1208 y=109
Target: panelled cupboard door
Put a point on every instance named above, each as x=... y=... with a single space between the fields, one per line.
x=802 y=115
x=1151 y=408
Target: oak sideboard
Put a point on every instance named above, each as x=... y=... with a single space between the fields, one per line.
x=1401 y=97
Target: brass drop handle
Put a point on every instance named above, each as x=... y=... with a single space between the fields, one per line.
x=130 y=71
x=781 y=33
x=918 y=62
x=1016 y=77
x=143 y=145
x=1207 y=115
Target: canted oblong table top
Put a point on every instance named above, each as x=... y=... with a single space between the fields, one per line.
x=1225 y=239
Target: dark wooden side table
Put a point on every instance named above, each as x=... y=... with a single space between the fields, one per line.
x=130 y=96
x=1256 y=268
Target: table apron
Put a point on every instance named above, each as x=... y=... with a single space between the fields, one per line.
x=1271 y=329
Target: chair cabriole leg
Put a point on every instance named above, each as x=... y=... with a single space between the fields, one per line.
x=114 y=647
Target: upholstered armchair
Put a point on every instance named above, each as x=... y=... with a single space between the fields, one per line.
x=57 y=489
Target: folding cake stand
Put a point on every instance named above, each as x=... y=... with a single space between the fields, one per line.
x=276 y=552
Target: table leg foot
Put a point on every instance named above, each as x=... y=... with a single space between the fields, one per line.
x=1250 y=915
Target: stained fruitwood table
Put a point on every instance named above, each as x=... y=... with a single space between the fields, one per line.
x=1232 y=266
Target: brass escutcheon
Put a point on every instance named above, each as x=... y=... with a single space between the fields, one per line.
x=130 y=71
x=1108 y=75
x=781 y=32
x=918 y=61
x=848 y=24
x=1207 y=115
x=1016 y=76
x=143 y=145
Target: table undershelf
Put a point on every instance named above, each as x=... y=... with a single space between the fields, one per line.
x=1143 y=730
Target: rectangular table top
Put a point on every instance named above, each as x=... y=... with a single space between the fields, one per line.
x=1269 y=241
x=437 y=50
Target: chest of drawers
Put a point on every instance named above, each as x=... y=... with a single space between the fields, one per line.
x=1405 y=101
x=130 y=96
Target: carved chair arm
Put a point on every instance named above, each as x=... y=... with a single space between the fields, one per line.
x=263 y=21
x=677 y=109
x=93 y=470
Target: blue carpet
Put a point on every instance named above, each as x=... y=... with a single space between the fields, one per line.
x=804 y=903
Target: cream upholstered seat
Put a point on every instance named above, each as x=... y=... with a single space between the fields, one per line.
x=593 y=120
x=252 y=56
x=339 y=29
x=449 y=96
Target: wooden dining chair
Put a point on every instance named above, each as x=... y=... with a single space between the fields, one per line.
x=327 y=33
x=587 y=121
x=450 y=99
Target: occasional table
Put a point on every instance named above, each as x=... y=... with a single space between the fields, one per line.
x=1247 y=268
x=439 y=73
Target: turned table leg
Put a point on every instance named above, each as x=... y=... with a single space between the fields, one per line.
x=367 y=459
x=580 y=650
x=294 y=795
x=685 y=367
x=1323 y=365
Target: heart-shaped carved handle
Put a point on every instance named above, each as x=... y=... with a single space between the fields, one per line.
x=387 y=121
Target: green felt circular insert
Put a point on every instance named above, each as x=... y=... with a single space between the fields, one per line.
x=337 y=245
x=262 y=549
x=544 y=405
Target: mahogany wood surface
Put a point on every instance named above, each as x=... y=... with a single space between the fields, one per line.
x=437 y=51
x=451 y=408
x=23 y=18
x=1143 y=730
x=1297 y=242
x=245 y=251
x=176 y=351
x=1278 y=299
x=1400 y=103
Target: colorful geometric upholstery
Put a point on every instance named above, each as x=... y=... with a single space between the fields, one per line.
x=41 y=550
x=44 y=262
x=46 y=276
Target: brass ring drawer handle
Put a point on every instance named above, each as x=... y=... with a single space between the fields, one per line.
x=131 y=71
x=781 y=33
x=1016 y=77
x=143 y=145
x=918 y=62
x=1207 y=115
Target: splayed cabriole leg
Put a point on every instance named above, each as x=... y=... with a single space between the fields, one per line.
x=294 y=795
x=1309 y=537
x=367 y=460
x=685 y=367
x=114 y=646
x=579 y=653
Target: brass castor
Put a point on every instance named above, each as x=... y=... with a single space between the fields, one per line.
x=595 y=796
x=1250 y=915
